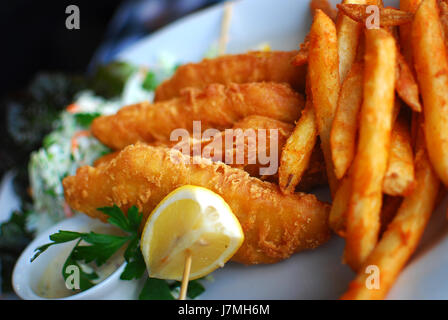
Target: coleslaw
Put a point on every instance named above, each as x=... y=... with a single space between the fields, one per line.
x=70 y=145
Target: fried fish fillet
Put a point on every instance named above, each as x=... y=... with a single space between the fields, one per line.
x=275 y=225
x=257 y=66
x=314 y=175
x=216 y=106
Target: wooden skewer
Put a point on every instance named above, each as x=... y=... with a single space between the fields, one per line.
x=186 y=276
x=225 y=26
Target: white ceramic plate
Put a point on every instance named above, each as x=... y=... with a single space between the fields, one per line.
x=317 y=274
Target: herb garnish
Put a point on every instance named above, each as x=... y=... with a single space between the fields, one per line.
x=102 y=246
x=150 y=83
x=85 y=119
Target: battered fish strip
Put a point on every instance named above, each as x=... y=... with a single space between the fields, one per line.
x=275 y=225
x=217 y=106
x=315 y=174
x=257 y=66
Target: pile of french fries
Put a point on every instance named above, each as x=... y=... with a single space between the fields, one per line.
x=377 y=97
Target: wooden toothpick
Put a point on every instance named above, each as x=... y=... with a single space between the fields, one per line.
x=186 y=276
x=225 y=26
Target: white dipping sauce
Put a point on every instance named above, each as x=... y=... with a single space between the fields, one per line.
x=52 y=284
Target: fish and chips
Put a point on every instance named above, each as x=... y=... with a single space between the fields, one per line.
x=344 y=110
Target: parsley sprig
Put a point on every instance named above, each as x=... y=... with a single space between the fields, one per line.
x=100 y=247
x=85 y=119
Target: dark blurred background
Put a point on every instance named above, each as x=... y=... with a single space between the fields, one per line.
x=40 y=58
x=34 y=37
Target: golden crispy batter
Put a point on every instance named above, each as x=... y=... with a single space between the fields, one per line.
x=260 y=122
x=217 y=106
x=314 y=176
x=272 y=66
x=275 y=225
x=250 y=137
x=103 y=160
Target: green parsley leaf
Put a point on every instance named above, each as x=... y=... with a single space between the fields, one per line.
x=195 y=288
x=109 y=80
x=134 y=269
x=48 y=141
x=117 y=218
x=40 y=250
x=85 y=279
x=85 y=119
x=150 y=82
x=133 y=249
x=155 y=289
x=65 y=236
x=60 y=237
x=135 y=218
x=105 y=152
x=135 y=266
x=50 y=192
x=102 y=247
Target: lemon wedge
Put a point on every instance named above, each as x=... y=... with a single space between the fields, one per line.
x=192 y=221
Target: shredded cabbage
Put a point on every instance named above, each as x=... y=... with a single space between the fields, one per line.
x=70 y=146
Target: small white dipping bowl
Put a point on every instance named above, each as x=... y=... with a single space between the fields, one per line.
x=27 y=274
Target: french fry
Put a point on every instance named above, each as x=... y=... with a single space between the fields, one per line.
x=406 y=30
x=348 y=32
x=389 y=17
x=339 y=207
x=431 y=65
x=400 y=179
x=406 y=85
x=370 y=163
x=296 y=154
x=323 y=69
x=443 y=5
x=345 y=123
x=389 y=210
x=325 y=6
x=402 y=236
x=302 y=57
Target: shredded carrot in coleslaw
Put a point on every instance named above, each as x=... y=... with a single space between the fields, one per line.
x=76 y=136
x=73 y=108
